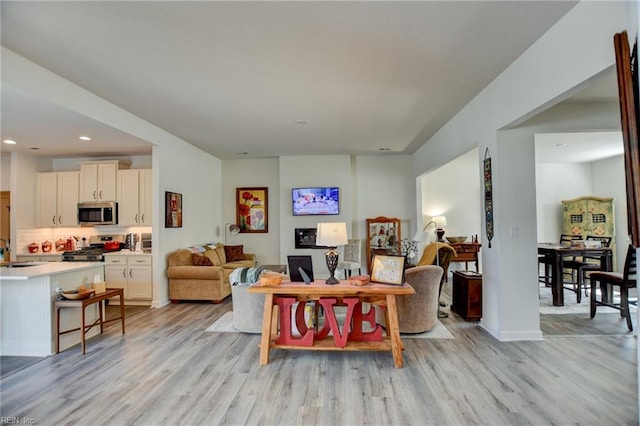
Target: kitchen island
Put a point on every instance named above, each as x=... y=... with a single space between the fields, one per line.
x=27 y=294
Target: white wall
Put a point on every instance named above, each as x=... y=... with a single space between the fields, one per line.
x=542 y=76
x=5 y=172
x=556 y=182
x=253 y=173
x=385 y=187
x=609 y=181
x=73 y=164
x=305 y=171
x=453 y=190
x=370 y=186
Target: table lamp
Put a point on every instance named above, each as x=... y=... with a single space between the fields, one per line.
x=440 y=221
x=332 y=235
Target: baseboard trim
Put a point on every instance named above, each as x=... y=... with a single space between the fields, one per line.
x=514 y=336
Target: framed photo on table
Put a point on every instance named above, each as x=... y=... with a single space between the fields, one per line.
x=173 y=210
x=387 y=269
x=251 y=210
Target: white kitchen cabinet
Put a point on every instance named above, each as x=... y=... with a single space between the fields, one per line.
x=98 y=180
x=145 y=197
x=133 y=273
x=57 y=199
x=134 y=197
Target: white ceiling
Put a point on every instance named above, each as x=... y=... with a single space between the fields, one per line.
x=235 y=77
x=578 y=147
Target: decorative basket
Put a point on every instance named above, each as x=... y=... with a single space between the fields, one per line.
x=270 y=279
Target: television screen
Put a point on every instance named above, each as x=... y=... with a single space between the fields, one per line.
x=315 y=201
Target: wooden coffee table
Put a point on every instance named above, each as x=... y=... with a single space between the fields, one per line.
x=277 y=327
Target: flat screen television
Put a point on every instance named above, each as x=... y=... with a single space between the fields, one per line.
x=315 y=201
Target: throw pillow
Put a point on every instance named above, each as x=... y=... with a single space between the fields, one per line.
x=234 y=253
x=201 y=260
x=220 y=252
x=213 y=255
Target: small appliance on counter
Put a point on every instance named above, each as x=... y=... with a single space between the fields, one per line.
x=130 y=242
x=146 y=242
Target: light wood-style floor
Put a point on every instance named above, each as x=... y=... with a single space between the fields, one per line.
x=167 y=370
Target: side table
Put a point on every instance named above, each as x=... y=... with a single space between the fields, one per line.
x=466 y=252
x=467 y=295
x=82 y=304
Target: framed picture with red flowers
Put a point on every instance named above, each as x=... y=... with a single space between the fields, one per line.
x=173 y=210
x=251 y=210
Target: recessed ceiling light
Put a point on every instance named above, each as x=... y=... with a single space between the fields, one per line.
x=9 y=141
x=84 y=138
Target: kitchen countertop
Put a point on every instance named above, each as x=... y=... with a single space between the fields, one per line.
x=51 y=253
x=38 y=269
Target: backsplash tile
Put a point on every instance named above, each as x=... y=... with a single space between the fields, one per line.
x=27 y=236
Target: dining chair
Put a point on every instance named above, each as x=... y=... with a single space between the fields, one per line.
x=546 y=261
x=580 y=267
x=351 y=257
x=624 y=281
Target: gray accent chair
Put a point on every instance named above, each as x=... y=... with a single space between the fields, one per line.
x=418 y=313
x=248 y=309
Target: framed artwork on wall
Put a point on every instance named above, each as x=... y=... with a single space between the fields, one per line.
x=173 y=210
x=251 y=210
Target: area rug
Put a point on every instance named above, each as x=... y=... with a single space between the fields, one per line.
x=225 y=325
x=570 y=305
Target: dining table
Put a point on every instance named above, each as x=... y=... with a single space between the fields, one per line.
x=557 y=254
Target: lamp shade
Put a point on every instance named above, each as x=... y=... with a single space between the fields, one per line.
x=233 y=228
x=440 y=221
x=331 y=234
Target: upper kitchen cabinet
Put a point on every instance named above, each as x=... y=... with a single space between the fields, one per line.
x=57 y=199
x=134 y=197
x=98 y=180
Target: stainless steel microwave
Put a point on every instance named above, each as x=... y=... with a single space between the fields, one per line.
x=104 y=213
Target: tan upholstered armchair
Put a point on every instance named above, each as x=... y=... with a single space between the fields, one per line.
x=419 y=312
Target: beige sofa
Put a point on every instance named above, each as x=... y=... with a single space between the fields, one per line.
x=190 y=282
